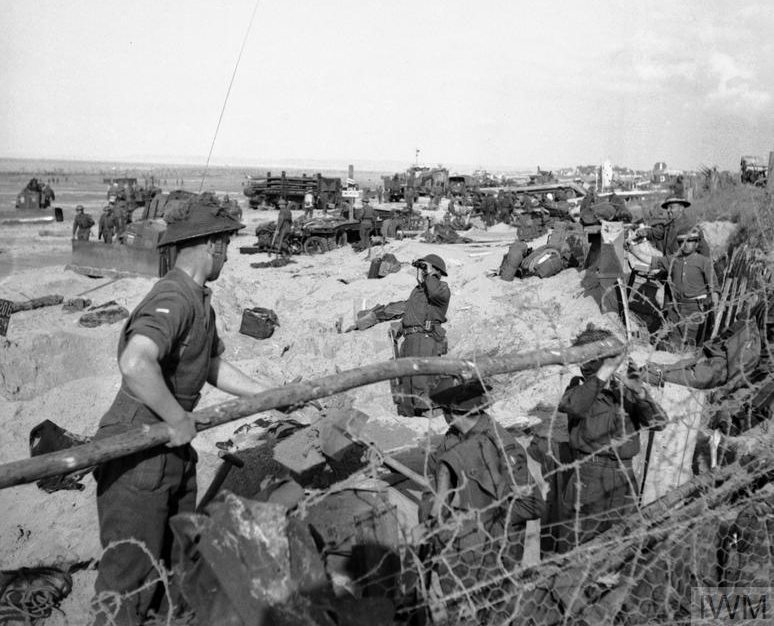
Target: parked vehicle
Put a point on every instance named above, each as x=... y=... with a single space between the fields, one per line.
x=265 y=191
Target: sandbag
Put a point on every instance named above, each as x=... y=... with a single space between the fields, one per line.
x=739 y=345
x=570 y=239
x=258 y=322
x=512 y=260
x=108 y=313
x=543 y=262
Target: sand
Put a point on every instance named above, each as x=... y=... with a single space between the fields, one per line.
x=52 y=368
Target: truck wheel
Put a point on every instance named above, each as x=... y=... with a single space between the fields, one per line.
x=316 y=245
x=295 y=247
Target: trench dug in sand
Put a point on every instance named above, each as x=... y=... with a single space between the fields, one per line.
x=52 y=368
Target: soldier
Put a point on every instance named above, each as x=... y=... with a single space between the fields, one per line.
x=168 y=348
x=482 y=496
x=107 y=224
x=604 y=415
x=82 y=224
x=663 y=230
x=308 y=204
x=504 y=207
x=121 y=214
x=47 y=196
x=693 y=287
x=284 y=224
x=489 y=209
x=422 y=331
x=366 y=225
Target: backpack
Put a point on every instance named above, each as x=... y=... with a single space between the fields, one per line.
x=740 y=346
x=544 y=261
x=571 y=241
x=258 y=322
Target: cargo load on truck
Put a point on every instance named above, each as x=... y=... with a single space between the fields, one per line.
x=265 y=191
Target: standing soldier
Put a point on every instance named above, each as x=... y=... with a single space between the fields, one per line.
x=604 y=415
x=482 y=497
x=693 y=287
x=284 y=224
x=47 y=196
x=366 y=225
x=82 y=224
x=663 y=231
x=422 y=331
x=168 y=348
x=489 y=208
x=107 y=225
x=308 y=204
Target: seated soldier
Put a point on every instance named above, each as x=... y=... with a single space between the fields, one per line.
x=483 y=494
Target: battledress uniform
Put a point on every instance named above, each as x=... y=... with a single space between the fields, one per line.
x=692 y=281
x=366 y=225
x=603 y=423
x=284 y=224
x=492 y=495
x=82 y=226
x=137 y=494
x=423 y=336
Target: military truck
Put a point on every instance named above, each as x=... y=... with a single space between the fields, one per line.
x=753 y=170
x=265 y=191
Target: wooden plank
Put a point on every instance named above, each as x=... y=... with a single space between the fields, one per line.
x=138 y=439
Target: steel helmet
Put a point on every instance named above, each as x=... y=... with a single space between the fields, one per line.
x=436 y=262
x=674 y=200
x=201 y=216
x=458 y=396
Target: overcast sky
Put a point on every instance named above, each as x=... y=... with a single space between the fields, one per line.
x=509 y=84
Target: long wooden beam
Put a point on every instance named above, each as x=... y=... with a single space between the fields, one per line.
x=138 y=439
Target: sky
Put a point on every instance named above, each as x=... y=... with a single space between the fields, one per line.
x=506 y=84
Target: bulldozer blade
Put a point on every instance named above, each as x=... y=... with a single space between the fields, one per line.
x=96 y=258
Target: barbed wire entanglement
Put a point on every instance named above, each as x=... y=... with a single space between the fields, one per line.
x=613 y=537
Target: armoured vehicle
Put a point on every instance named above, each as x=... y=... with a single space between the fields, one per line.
x=137 y=251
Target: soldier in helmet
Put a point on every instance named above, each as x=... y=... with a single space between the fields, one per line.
x=482 y=495
x=167 y=350
x=663 y=230
x=82 y=224
x=693 y=287
x=422 y=331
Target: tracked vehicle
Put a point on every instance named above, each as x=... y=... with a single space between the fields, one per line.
x=137 y=253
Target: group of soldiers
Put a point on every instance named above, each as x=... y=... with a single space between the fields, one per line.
x=481 y=491
x=47 y=195
x=680 y=261
x=112 y=223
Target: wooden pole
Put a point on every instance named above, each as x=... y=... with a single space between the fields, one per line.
x=138 y=439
